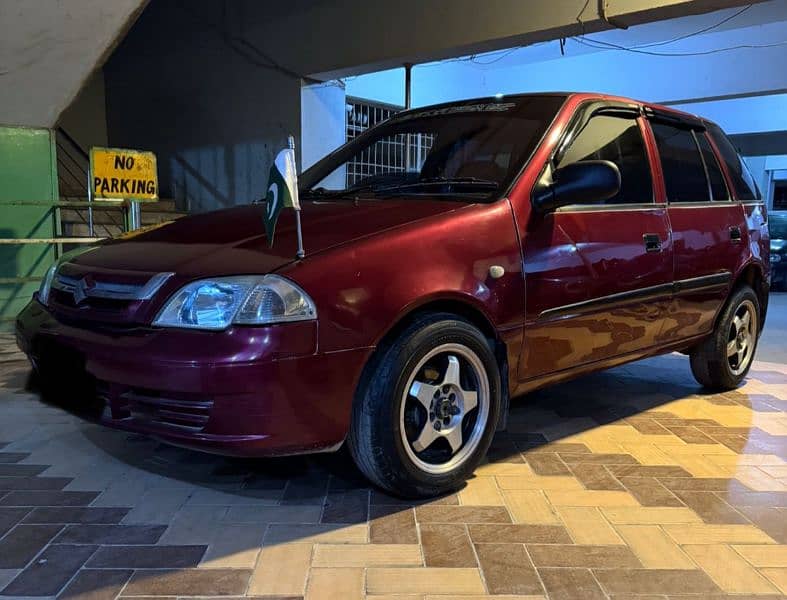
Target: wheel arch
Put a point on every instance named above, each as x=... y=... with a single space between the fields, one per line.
x=752 y=275
x=465 y=309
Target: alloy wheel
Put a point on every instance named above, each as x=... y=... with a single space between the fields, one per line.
x=445 y=408
x=742 y=338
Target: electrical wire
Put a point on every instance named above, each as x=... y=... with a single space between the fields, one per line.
x=599 y=45
x=639 y=49
x=699 y=32
x=579 y=16
x=509 y=52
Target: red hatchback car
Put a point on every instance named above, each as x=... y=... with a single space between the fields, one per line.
x=456 y=256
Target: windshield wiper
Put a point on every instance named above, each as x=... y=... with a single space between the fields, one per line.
x=448 y=181
x=476 y=182
x=322 y=192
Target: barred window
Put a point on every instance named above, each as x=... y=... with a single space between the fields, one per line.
x=387 y=155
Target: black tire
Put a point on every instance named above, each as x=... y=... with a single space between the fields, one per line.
x=710 y=363
x=376 y=439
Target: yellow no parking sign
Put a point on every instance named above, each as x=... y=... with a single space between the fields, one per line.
x=117 y=174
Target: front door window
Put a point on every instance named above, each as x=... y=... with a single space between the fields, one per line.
x=618 y=140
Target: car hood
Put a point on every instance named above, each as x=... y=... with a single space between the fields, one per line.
x=233 y=241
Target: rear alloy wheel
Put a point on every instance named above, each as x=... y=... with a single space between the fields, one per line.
x=427 y=409
x=722 y=361
x=742 y=338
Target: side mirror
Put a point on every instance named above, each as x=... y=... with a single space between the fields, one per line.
x=583 y=182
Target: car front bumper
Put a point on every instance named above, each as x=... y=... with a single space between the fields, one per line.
x=246 y=391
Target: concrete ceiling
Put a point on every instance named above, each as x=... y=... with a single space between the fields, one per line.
x=327 y=39
x=48 y=48
x=767 y=143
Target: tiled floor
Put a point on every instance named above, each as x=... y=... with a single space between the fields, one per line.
x=626 y=484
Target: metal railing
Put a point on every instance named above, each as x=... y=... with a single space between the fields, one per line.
x=72 y=165
x=72 y=176
x=59 y=242
x=53 y=210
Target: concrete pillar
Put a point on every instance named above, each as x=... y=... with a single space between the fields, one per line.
x=323 y=126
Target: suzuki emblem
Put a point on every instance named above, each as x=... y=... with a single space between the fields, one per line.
x=81 y=288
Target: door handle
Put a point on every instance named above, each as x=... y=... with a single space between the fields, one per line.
x=735 y=234
x=652 y=242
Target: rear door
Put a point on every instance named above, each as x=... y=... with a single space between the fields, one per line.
x=708 y=228
x=598 y=277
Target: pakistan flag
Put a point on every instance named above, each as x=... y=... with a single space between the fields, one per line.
x=282 y=190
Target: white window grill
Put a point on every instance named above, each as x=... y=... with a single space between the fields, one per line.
x=387 y=155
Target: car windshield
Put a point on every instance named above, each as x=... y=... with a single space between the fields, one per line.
x=777 y=226
x=472 y=149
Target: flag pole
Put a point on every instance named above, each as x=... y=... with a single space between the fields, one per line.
x=300 y=253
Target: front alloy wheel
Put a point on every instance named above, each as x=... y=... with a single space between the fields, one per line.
x=445 y=408
x=426 y=409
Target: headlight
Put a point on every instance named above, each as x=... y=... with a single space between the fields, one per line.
x=775 y=258
x=247 y=300
x=46 y=285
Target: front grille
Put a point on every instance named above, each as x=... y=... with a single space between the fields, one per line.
x=81 y=288
x=152 y=407
x=66 y=299
x=103 y=296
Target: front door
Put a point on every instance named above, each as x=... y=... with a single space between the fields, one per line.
x=598 y=277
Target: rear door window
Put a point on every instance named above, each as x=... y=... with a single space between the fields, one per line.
x=618 y=140
x=681 y=163
x=742 y=180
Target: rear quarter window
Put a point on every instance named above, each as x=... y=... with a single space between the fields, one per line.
x=742 y=180
x=718 y=186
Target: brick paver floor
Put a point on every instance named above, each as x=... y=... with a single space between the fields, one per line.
x=629 y=484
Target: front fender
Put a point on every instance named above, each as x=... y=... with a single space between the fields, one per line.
x=362 y=289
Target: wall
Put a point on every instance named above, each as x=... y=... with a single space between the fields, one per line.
x=27 y=174
x=214 y=116
x=323 y=128
x=85 y=119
